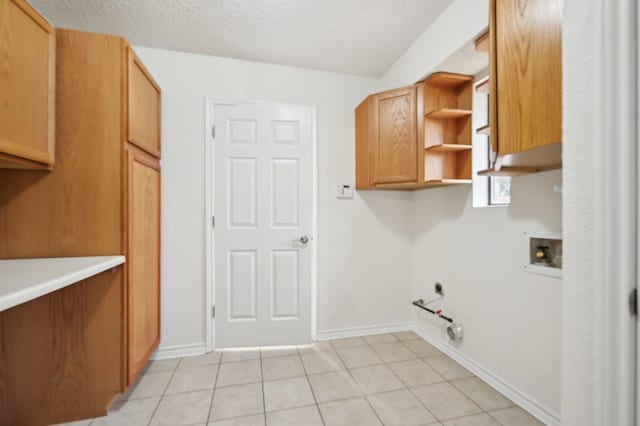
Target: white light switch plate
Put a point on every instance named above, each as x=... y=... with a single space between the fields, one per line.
x=344 y=191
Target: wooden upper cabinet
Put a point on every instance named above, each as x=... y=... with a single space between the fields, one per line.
x=526 y=82
x=416 y=137
x=27 y=87
x=143 y=125
x=143 y=259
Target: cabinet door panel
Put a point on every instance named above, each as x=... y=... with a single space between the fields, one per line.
x=143 y=259
x=27 y=87
x=528 y=73
x=143 y=128
x=395 y=139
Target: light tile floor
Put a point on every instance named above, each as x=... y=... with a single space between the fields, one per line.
x=391 y=379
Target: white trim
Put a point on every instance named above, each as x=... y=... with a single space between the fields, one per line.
x=178 y=351
x=314 y=227
x=209 y=162
x=620 y=193
x=364 y=331
x=209 y=294
x=529 y=404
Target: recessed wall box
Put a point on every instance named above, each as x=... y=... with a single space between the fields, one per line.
x=543 y=254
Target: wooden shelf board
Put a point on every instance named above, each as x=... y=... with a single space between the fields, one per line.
x=513 y=171
x=445 y=182
x=448 y=147
x=448 y=113
x=482 y=42
x=448 y=81
x=484 y=130
x=483 y=87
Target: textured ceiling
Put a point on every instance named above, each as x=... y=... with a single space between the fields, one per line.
x=352 y=36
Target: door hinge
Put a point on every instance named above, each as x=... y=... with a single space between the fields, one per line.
x=213 y=132
x=213 y=221
x=213 y=311
x=633 y=302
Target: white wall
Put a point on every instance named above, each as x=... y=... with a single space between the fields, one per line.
x=511 y=318
x=382 y=249
x=460 y=23
x=363 y=244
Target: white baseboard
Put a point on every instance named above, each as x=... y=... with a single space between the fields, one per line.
x=179 y=351
x=364 y=331
x=529 y=404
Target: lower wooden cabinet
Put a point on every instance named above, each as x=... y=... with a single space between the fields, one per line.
x=143 y=252
x=60 y=354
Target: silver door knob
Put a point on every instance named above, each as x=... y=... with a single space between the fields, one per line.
x=304 y=239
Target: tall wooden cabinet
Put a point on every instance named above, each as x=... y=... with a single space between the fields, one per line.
x=103 y=195
x=27 y=87
x=525 y=48
x=416 y=137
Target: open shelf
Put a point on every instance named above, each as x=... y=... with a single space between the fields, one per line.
x=484 y=130
x=448 y=147
x=449 y=82
x=447 y=129
x=442 y=182
x=448 y=113
x=508 y=171
x=483 y=87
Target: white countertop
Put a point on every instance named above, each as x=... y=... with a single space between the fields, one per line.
x=22 y=280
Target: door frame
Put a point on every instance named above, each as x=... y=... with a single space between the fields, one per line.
x=616 y=381
x=209 y=185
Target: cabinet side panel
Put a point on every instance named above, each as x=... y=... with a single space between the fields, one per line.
x=363 y=139
x=529 y=73
x=493 y=84
x=75 y=209
x=59 y=354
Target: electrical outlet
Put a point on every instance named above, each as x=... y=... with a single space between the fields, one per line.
x=438 y=289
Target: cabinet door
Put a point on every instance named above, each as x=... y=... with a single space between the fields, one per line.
x=528 y=73
x=143 y=258
x=27 y=87
x=394 y=153
x=143 y=124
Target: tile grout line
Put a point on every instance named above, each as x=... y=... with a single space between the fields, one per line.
x=155 y=410
x=306 y=375
x=215 y=383
x=358 y=386
x=264 y=399
x=401 y=381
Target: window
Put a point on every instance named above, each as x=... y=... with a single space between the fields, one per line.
x=499 y=187
x=499 y=190
x=487 y=190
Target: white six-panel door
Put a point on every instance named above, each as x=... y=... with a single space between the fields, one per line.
x=262 y=237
